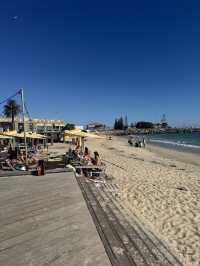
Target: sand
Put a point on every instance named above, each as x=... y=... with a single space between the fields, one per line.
x=163 y=193
x=181 y=156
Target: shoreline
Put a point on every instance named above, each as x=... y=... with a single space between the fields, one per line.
x=169 y=153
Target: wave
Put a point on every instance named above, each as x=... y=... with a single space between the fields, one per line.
x=178 y=143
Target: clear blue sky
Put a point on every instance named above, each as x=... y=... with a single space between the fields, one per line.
x=95 y=60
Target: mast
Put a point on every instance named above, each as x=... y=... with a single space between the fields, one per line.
x=23 y=112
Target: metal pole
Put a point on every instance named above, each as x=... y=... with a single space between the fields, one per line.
x=23 y=108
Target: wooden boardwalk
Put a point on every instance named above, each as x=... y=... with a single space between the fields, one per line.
x=126 y=240
x=45 y=221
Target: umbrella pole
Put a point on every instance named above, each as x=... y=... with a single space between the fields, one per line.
x=23 y=108
x=82 y=144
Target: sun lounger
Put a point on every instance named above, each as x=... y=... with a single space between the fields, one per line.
x=91 y=170
x=6 y=165
x=90 y=167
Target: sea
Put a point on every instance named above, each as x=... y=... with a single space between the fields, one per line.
x=179 y=141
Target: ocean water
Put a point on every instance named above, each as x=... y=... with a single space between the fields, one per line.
x=180 y=141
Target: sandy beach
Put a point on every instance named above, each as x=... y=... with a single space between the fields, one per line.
x=162 y=190
x=181 y=156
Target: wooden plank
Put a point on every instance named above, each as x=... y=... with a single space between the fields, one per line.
x=90 y=167
x=45 y=221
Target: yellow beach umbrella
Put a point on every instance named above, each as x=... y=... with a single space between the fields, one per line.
x=12 y=133
x=5 y=137
x=67 y=138
x=34 y=135
x=73 y=131
x=79 y=133
x=91 y=135
x=31 y=135
x=21 y=135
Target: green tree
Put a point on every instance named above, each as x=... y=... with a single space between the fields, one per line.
x=11 y=110
x=119 y=124
x=69 y=126
x=144 y=125
x=115 y=124
x=126 y=122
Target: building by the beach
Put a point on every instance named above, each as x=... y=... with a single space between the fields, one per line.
x=47 y=125
x=51 y=128
x=36 y=125
x=95 y=126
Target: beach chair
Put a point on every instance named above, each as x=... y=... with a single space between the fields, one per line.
x=91 y=170
x=6 y=165
x=99 y=171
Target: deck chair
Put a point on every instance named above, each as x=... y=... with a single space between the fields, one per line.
x=6 y=165
x=98 y=172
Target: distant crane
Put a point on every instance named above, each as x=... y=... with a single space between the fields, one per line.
x=163 y=121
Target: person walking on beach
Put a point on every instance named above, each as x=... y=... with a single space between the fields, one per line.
x=144 y=142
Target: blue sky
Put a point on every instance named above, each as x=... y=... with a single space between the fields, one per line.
x=96 y=60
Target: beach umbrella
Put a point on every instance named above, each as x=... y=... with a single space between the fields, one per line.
x=21 y=135
x=73 y=131
x=34 y=135
x=91 y=135
x=12 y=133
x=79 y=133
x=67 y=138
x=5 y=137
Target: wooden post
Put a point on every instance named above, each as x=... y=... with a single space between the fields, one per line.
x=82 y=144
x=51 y=138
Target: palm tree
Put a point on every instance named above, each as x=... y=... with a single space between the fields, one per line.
x=12 y=109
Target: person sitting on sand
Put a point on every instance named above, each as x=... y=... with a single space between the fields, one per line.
x=86 y=154
x=77 y=149
x=96 y=160
x=22 y=157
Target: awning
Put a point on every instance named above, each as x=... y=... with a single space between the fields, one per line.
x=79 y=133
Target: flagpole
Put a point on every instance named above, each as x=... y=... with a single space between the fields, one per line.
x=23 y=112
